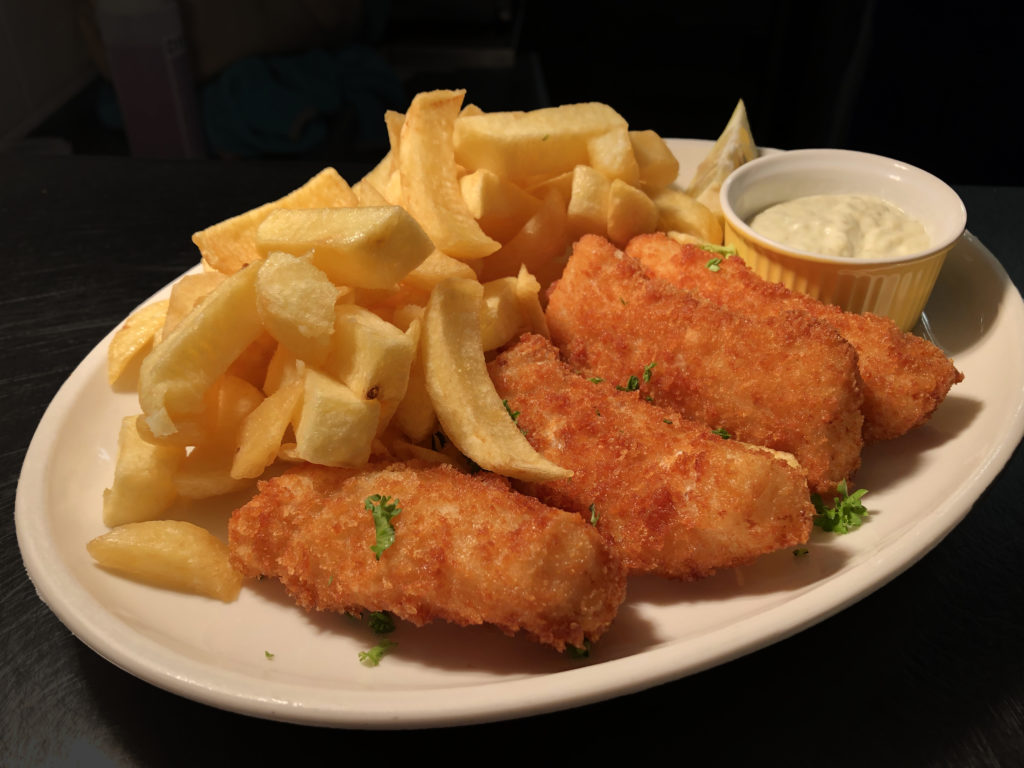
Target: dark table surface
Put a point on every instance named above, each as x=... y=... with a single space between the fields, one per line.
x=927 y=671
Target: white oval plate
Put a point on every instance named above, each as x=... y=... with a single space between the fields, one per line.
x=262 y=656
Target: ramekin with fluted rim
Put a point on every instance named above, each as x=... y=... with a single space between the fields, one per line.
x=895 y=286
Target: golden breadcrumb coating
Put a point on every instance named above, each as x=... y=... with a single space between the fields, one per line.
x=784 y=381
x=904 y=377
x=675 y=498
x=467 y=549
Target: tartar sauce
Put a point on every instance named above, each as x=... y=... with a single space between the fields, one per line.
x=855 y=226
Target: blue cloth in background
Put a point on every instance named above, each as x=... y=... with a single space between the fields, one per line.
x=285 y=104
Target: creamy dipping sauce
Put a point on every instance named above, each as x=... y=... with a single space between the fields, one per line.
x=854 y=226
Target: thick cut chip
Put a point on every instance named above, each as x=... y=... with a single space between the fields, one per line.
x=611 y=154
x=658 y=166
x=369 y=355
x=435 y=268
x=588 y=206
x=500 y=207
x=680 y=212
x=501 y=316
x=206 y=470
x=231 y=244
x=542 y=245
x=528 y=288
x=526 y=147
x=363 y=247
x=467 y=405
x=172 y=554
x=134 y=338
x=177 y=374
x=336 y=427
x=630 y=213
x=429 y=177
x=263 y=431
x=368 y=195
x=296 y=303
x=143 y=486
x=186 y=294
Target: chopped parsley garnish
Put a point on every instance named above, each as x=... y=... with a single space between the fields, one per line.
x=725 y=250
x=595 y=379
x=631 y=386
x=372 y=657
x=799 y=552
x=508 y=409
x=845 y=514
x=713 y=264
x=381 y=622
x=383 y=510
x=723 y=433
x=576 y=652
x=633 y=383
x=269 y=655
x=594 y=514
x=667 y=421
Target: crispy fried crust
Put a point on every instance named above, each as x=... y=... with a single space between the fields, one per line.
x=674 y=498
x=785 y=381
x=467 y=549
x=905 y=378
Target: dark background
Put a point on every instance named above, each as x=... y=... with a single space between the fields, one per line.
x=935 y=84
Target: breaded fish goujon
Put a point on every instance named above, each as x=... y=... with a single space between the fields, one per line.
x=904 y=377
x=675 y=498
x=787 y=382
x=466 y=549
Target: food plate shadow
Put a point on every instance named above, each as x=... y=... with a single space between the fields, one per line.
x=889 y=463
x=784 y=571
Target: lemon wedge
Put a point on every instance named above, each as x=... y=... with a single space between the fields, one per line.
x=732 y=149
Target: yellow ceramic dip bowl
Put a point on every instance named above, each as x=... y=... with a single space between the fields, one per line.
x=895 y=286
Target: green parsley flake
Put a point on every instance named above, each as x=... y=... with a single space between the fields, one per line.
x=722 y=433
x=633 y=383
x=508 y=409
x=724 y=250
x=269 y=655
x=372 y=656
x=383 y=510
x=667 y=421
x=575 y=652
x=595 y=379
x=713 y=264
x=845 y=514
x=594 y=514
x=381 y=622
x=631 y=386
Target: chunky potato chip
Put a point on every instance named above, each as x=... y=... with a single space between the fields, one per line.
x=470 y=410
x=143 y=486
x=172 y=554
x=336 y=427
x=362 y=247
x=296 y=304
x=429 y=177
x=177 y=374
x=230 y=245
x=526 y=147
x=134 y=338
